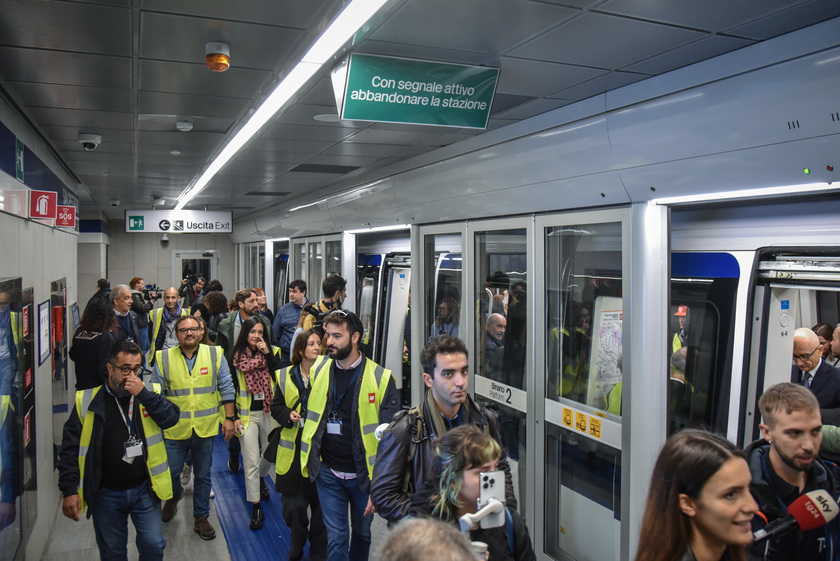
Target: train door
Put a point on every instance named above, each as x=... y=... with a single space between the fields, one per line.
x=501 y=357
x=394 y=305
x=368 y=285
x=793 y=289
x=281 y=276
x=440 y=286
x=315 y=258
x=580 y=318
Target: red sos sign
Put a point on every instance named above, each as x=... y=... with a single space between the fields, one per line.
x=66 y=217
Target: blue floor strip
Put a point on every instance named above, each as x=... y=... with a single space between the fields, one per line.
x=234 y=512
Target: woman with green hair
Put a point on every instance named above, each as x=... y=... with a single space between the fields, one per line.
x=463 y=454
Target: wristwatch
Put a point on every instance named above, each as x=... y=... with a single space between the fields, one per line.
x=231 y=419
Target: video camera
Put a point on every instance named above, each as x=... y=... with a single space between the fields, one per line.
x=151 y=288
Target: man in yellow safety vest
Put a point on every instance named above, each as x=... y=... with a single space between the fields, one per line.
x=121 y=471
x=351 y=396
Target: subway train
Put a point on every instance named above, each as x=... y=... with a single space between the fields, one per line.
x=575 y=252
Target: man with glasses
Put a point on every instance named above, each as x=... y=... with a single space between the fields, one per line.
x=351 y=396
x=811 y=371
x=196 y=378
x=121 y=471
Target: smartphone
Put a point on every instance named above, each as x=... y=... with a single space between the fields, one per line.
x=492 y=486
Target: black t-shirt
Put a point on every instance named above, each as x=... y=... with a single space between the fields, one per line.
x=337 y=450
x=118 y=475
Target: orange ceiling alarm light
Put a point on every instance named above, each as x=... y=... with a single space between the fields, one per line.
x=217 y=56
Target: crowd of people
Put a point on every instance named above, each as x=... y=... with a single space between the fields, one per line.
x=293 y=394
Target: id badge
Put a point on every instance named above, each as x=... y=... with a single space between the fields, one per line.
x=334 y=426
x=133 y=449
x=259 y=396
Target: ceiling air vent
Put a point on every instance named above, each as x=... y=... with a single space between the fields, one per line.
x=323 y=168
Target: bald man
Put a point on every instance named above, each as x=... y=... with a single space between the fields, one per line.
x=820 y=377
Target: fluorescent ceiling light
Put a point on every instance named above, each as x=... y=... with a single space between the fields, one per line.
x=348 y=22
x=379 y=229
x=745 y=193
x=307 y=205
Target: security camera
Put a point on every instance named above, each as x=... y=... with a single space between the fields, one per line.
x=114 y=203
x=90 y=141
x=164 y=240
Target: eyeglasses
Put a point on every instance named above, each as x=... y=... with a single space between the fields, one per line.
x=803 y=358
x=340 y=313
x=126 y=370
x=353 y=318
x=189 y=330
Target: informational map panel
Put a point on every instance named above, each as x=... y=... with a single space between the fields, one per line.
x=605 y=359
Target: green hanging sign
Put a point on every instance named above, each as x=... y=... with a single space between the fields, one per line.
x=399 y=90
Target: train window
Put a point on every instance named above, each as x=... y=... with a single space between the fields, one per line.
x=332 y=263
x=444 y=289
x=702 y=315
x=315 y=264
x=583 y=315
x=300 y=270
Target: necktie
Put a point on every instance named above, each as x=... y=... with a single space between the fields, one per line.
x=807 y=380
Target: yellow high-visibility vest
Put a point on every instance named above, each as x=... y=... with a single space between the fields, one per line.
x=156 y=319
x=156 y=461
x=195 y=394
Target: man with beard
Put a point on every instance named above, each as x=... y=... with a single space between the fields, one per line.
x=351 y=396
x=163 y=322
x=406 y=453
x=197 y=379
x=121 y=471
x=784 y=464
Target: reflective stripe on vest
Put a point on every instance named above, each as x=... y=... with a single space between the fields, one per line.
x=195 y=394
x=373 y=385
x=157 y=463
x=288 y=436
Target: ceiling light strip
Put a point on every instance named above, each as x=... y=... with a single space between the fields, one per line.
x=348 y=22
x=745 y=193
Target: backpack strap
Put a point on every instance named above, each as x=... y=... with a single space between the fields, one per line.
x=509 y=528
x=415 y=435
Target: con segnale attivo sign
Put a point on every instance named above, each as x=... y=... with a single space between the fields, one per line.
x=178 y=222
x=399 y=90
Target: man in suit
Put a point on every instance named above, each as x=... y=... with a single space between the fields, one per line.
x=127 y=323
x=820 y=377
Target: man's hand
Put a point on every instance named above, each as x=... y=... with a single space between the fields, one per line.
x=369 y=508
x=228 y=427
x=71 y=507
x=133 y=385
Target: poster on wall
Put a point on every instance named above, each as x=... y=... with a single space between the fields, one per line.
x=27 y=410
x=59 y=342
x=44 y=326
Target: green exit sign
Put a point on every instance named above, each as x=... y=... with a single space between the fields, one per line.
x=399 y=90
x=135 y=223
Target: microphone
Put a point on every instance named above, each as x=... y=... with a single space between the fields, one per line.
x=809 y=512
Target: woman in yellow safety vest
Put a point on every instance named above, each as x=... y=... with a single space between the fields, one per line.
x=255 y=365
x=289 y=409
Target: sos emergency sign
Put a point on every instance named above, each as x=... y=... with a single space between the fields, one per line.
x=66 y=217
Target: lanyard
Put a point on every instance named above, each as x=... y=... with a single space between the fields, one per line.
x=350 y=385
x=126 y=418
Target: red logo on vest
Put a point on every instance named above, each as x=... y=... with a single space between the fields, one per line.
x=371 y=398
x=145 y=412
x=205 y=371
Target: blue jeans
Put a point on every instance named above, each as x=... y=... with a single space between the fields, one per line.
x=335 y=494
x=202 y=459
x=111 y=510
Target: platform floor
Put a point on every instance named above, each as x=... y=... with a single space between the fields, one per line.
x=230 y=514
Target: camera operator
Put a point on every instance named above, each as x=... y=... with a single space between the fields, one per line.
x=142 y=301
x=192 y=290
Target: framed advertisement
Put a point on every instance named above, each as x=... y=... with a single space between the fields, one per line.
x=44 y=349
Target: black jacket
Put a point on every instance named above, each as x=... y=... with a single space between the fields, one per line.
x=496 y=538
x=389 y=472
x=388 y=407
x=813 y=545
x=826 y=388
x=291 y=481
x=90 y=353
x=162 y=411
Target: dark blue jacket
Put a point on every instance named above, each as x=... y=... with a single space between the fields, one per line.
x=826 y=387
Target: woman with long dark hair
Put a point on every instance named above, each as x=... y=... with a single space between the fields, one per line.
x=217 y=310
x=463 y=454
x=91 y=347
x=289 y=409
x=255 y=364
x=699 y=505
